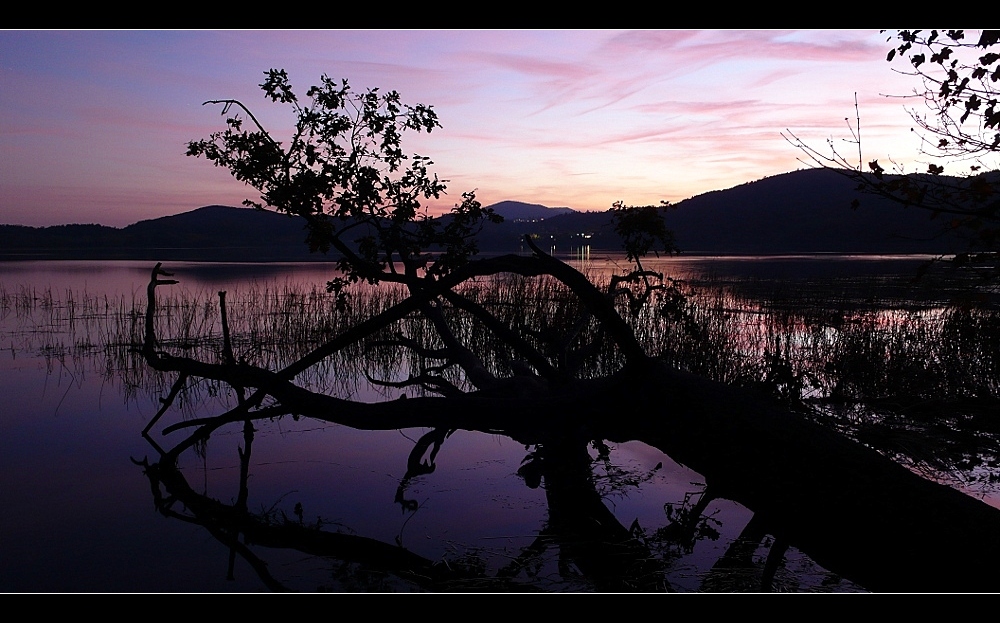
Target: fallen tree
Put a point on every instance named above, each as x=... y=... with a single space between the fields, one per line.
x=852 y=510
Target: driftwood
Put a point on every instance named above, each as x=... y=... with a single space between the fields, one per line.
x=852 y=510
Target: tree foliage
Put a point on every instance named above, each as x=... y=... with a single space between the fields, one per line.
x=345 y=172
x=642 y=230
x=957 y=77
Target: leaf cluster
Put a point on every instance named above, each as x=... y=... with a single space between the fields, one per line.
x=642 y=229
x=344 y=171
x=959 y=79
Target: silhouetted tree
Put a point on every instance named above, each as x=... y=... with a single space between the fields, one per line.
x=848 y=507
x=344 y=171
x=958 y=86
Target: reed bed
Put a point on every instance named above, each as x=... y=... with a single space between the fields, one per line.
x=817 y=349
x=919 y=382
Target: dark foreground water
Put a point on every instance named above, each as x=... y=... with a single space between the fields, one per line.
x=79 y=513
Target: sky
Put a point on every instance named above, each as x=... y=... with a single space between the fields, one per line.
x=94 y=124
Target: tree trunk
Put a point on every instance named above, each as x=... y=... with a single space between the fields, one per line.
x=852 y=510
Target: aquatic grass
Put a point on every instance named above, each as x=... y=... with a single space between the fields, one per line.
x=833 y=347
x=890 y=372
x=917 y=378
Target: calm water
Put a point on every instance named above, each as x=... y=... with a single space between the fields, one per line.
x=79 y=513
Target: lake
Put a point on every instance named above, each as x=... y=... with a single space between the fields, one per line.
x=83 y=515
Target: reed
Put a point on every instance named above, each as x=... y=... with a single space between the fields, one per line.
x=820 y=348
x=918 y=379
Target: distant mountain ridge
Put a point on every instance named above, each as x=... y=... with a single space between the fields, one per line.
x=520 y=211
x=209 y=233
x=805 y=211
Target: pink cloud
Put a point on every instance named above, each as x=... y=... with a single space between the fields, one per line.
x=99 y=120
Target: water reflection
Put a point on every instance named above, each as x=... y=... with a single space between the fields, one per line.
x=306 y=506
x=580 y=544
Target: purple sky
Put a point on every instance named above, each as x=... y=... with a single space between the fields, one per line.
x=94 y=124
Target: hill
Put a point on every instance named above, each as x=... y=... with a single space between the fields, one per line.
x=804 y=211
x=519 y=211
